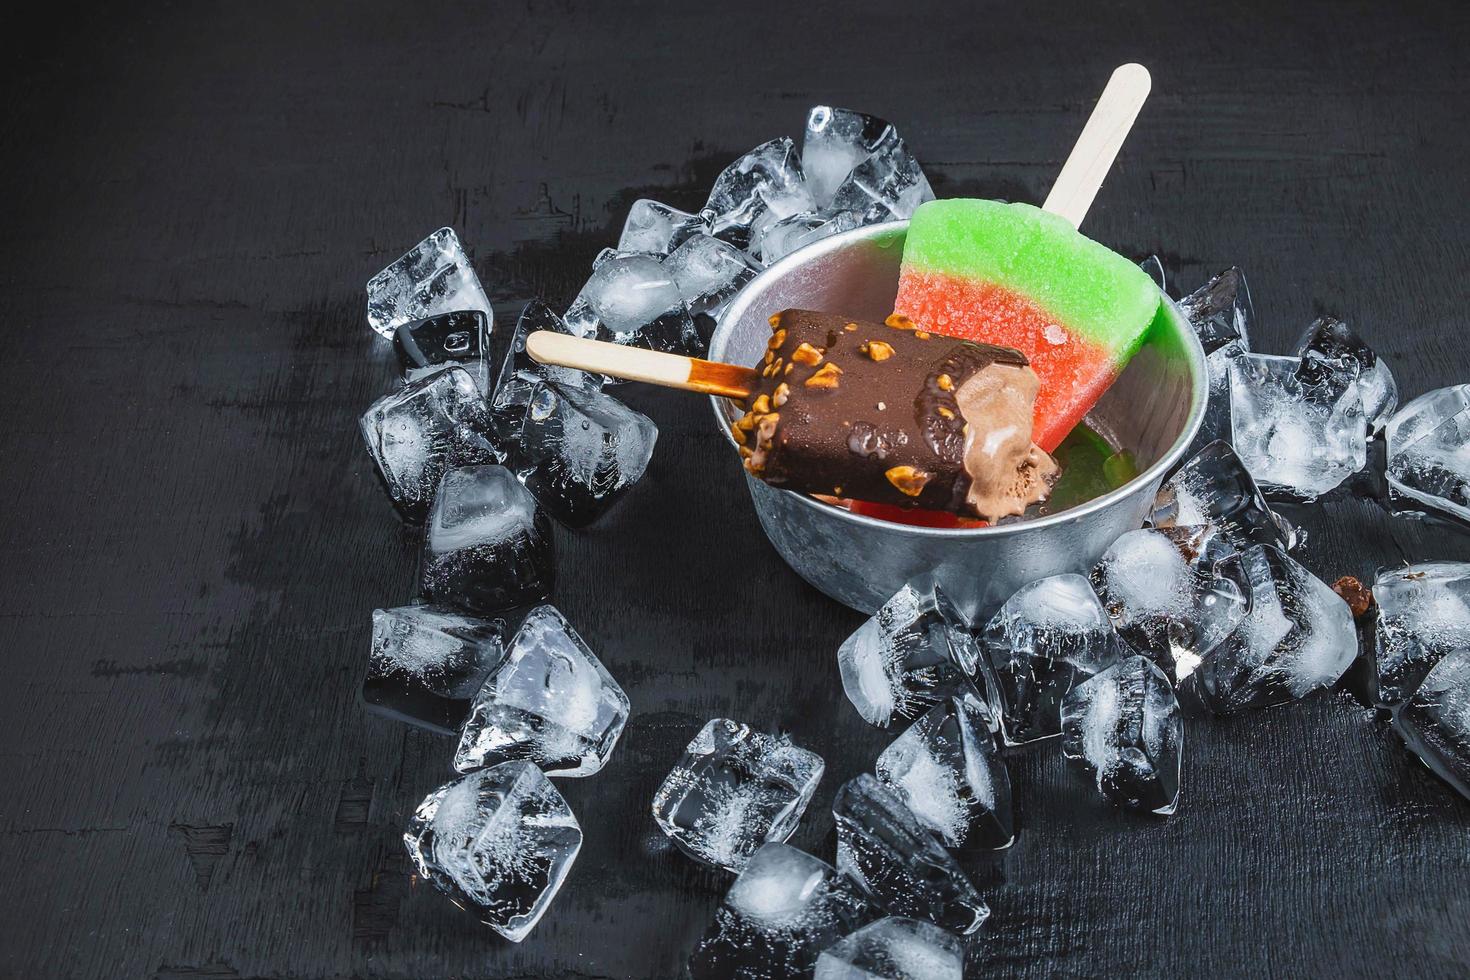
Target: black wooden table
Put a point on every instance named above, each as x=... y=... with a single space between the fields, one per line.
x=194 y=538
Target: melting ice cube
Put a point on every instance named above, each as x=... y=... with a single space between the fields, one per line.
x=498 y=842
x=887 y=186
x=767 y=179
x=518 y=373
x=1215 y=488
x=1124 y=724
x=1221 y=313
x=425 y=346
x=631 y=299
x=1330 y=346
x=800 y=230
x=894 y=948
x=427 y=662
x=1423 y=614
x=1050 y=635
x=1297 y=438
x=884 y=848
x=580 y=451
x=708 y=273
x=1435 y=720
x=657 y=229
x=1429 y=451
x=783 y=910
x=836 y=141
x=488 y=545
x=1297 y=636
x=733 y=790
x=409 y=434
x=948 y=772
x=433 y=277
x=913 y=652
x=550 y=700
x=1160 y=587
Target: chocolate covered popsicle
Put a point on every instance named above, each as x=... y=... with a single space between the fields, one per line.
x=891 y=413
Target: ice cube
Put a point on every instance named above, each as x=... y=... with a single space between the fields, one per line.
x=425 y=346
x=768 y=178
x=887 y=186
x=409 y=434
x=1124 y=724
x=836 y=141
x=1050 y=635
x=1296 y=438
x=733 y=790
x=1221 y=313
x=580 y=451
x=518 y=373
x=1297 y=636
x=1328 y=345
x=800 y=230
x=912 y=653
x=1215 y=488
x=657 y=229
x=897 y=861
x=1428 y=444
x=427 y=662
x=1435 y=720
x=783 y=910
x=947 y=770
x=631 y=299
x=1423 y=614
x=550 y=700
x=708 y=273
x=498 y=842
x=488 y=545
x=894 y=948
x=1160 y=587
x=1154 y=267
x=433 y=277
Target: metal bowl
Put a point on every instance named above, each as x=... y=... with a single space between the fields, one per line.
x=1153 y=409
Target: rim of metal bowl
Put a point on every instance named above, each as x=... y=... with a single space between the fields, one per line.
x=834 y=243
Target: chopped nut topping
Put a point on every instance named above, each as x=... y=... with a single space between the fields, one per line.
x=825 y=377
x=806 y=354
x=777 y=339
x=768 y=370
x=909 y=481
x=746 y=422
x=945 y=412
x=746 y=452
x=850 y=327
x=876 y=349
x=776 y=366
x=899 y=322
x=945 y=382
x=770 y=356
x=782 y=392
x=753 y=469
x=836 y=491
x=882 y=406
x=762 y=404
x=921 y=335
x=788 y=369
x=737 y=433
x=774 y=320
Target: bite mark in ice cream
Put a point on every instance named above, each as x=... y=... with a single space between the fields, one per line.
x=1008 y=472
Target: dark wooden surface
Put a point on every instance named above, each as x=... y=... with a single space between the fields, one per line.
x=193 y=537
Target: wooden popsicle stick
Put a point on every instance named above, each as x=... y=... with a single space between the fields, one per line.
x=1099 y=143
x=637 y=364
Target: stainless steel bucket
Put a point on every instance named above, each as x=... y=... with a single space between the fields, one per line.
x=1153 y=409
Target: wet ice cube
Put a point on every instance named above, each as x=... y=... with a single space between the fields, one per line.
x=768 y=178
x=913 y=652
x=657 y=229
x=897 y=861
x=1160 y=587
x=947 y=770
x=1298 y=439
x=427 y=345
x=1221 y=313
x=1049 y=636
x=498 y=842
x=631 y=299
x=733 y=790
x=427 y=662
x=1331 y=346
x=550 y=700
x=1435 y=720
x=409 y=434
x=1423 y=614
x=783 y=910
x=518 y=373
x=488 y=546
x=836 y=141
x=708 y=273
x=887 y=186
x=800 y=230
x=580 y=451
x=1124 y=724
x=895 y=948
x=1297 y=636
x=433 y=277
x=1215 y=488
x=1429 y=451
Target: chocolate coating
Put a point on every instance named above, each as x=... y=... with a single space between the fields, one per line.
x=863 y=410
